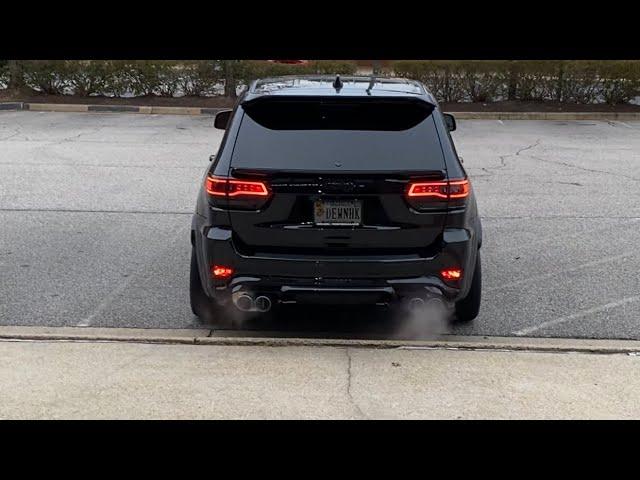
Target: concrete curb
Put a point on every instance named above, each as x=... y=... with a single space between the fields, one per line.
x=557 y=116
x=11 y=106
x=76 y=108
x=209 y=337
x=160 y=110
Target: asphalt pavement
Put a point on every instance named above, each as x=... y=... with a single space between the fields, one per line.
x=95 y=212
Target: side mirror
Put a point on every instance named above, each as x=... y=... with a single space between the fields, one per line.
x=450 y=121
x=213 y=157
x=221 y=119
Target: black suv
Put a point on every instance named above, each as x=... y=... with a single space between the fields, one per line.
x=335 y=190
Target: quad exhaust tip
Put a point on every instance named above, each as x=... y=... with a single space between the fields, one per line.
x=430 y=302
x=246 y=303
x=415 y=303
x=262 y=303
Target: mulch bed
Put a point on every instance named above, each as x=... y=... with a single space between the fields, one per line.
x=222 y=102
x=151 y=101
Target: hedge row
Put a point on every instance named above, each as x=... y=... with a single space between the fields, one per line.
x=613 y=82
x=153 y=77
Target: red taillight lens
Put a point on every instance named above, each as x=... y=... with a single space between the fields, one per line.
x=451 y=274
x=237 y=194
x=423 y=195
x=219 y=186
x=443 y=190
x=219 y=271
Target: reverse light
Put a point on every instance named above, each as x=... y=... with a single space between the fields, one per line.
x=221 y=187
x=219 y=271
x=451 y=274
x=441 y=189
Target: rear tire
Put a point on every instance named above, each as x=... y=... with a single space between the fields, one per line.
x=468 y=308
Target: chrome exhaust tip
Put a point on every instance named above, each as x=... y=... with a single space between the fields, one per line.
x=243 y=302
x=415 y=303
x=435 y=302
x=263 y=303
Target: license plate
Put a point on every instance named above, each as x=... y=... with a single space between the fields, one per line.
x=337 y=212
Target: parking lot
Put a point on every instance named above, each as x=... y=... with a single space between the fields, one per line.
x=95 y=211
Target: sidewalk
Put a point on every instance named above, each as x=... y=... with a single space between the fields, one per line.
x=72 y=379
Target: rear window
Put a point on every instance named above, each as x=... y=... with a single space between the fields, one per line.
x=356 y=135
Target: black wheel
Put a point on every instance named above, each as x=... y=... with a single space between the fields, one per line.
x=202 y=306
x=468 y=308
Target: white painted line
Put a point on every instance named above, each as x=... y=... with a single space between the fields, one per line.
x=500 y=122
x=543 y=276
x=85 y=322
x=106 y=301
x=568 y=318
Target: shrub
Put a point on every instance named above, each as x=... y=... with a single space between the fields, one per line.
x=484 y=81
x=620 y=81
x=613 y=82
x=579 y=82
x=333 y=67
x=4 y=74
x=151 y=77
x=536 y=80
x=200 y=78
x=46 y=76
x=443 y=77
x=249 y=70
x=90 y=77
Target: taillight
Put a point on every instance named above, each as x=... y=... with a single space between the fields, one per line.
x=236 y=193
x=423 y=194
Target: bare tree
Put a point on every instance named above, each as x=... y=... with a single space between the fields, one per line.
x=16 y=78
x=229 y=79
x=512 y=82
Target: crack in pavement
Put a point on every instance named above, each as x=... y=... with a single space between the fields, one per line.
x=570 y=165
x=75 y=137
x=503 y=158
x=349 y=393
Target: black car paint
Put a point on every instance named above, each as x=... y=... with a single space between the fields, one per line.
x=320 y=270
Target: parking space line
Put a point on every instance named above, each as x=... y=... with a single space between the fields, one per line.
x=574 y=316
x=106 y=301
x=564 y=271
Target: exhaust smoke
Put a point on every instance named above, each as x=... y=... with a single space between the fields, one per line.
x=423 y=319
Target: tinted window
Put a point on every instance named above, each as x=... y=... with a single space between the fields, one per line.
x=371 y=136
x=338 y=114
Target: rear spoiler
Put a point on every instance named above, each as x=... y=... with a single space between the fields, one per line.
x=329 y=99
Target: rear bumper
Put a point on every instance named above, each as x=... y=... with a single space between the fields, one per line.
x=333 y=279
